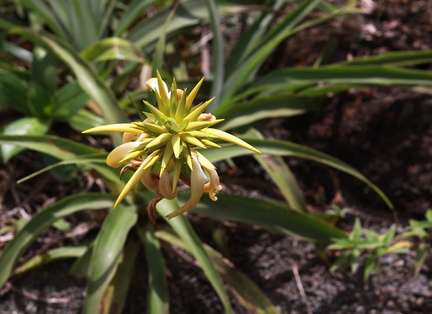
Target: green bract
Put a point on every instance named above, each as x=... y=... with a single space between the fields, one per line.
x=162 y=148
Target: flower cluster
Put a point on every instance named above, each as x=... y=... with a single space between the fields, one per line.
x=163 y=149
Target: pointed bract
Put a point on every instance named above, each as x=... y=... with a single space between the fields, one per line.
x=162 y=148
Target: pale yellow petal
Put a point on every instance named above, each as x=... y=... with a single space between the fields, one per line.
x=119 y=127
x=176 y=145
x=153 y=85
x=231 y=138
x=119 y=153
x=136 y=177
x=128 y=136
x=190 y=98
x=159 y=141
x=213 y=185
x=198 y=179
x=165 y=186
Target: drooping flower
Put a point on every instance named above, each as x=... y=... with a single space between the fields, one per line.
x=164 y=148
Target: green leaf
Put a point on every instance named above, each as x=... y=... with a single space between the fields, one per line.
x=344 y=75
x=80 y=266
x=113 y=48
x=264 y=107
x=185 y=231
x=371 y=264
x=282 y=148
x=41 y=9
x=218 y=53
x=44 y=70
x=70 y=99
x=23 y=126
x=64 y=149
x=421 y=254
x=395 y=58
x=84 y=120
x=282 y=176
x=51 y=256
x=62 y=225
x=106 y=255
x=40 y=102
x=245 y=71
x=247 y=292
x=116 y=295
x=188 y=13
x=13 y=92
x=132 y=12
x=75 y=162
x=26 y=236
x=271 y=215
x=84 y=71
x=158 y=297
x=428 y=215
x=251 y=39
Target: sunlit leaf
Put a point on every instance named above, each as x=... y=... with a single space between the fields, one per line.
x=112 y=48
x=282 y=148
x=271 y=215
x=51 y=256
x=107 y=250
x=185 y=231
x=247 y=292
x=115 y=297
x=28 y=234
x=158 y=297
x=22 y=126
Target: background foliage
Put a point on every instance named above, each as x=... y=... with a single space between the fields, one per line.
x=70 y=65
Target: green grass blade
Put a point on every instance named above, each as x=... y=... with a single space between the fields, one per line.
x=107 y=251
x=26 y=236
x=51 y=256
x=185 y=231
x=158 y=297
x=271 y=215
x=282 y=148
x=247 y=292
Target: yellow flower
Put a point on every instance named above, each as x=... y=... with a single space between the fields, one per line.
x=163 y=148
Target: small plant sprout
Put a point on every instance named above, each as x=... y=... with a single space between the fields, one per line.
x=165 y=147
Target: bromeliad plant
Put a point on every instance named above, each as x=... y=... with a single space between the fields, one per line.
x=164 y=149
x=168 y=141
